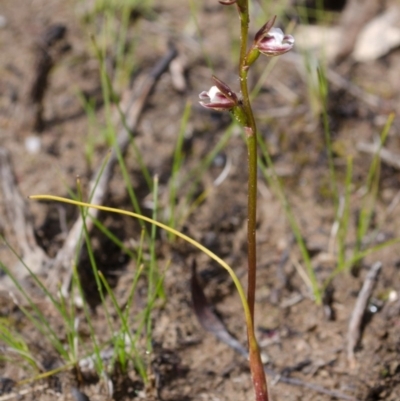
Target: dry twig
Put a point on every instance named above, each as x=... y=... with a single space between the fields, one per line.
x=20 y=219
x=342 y=83
x=354 y=333
x=386 y=156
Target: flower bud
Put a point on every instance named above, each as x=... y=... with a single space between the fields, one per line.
x=220 y=97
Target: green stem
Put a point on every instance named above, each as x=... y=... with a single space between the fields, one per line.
x=251 y=130
x=256 y=366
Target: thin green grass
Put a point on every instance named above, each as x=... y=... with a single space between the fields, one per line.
x=75 y=348
x=124 y=341
x=16 y=345
x=153 y=272
x=317 y=87
x=89 y=106
x=342 y=207
x=36 y=317
x=69 y=351
x=195 y=175
x=274 y=182
x=323 y=99
x=194 y=13
x=120 y=335
x=177 y=164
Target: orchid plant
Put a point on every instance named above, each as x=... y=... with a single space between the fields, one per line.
x=269 y=41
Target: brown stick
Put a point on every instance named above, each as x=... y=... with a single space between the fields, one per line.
x=301 y=383
x=354 y=333
x=343 y=83
x=386 y=156
x=20 y=219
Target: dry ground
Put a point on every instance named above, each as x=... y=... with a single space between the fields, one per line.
x=189 y=363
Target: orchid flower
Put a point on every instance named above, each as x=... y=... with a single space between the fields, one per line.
x=220 y=97
x=273 y=42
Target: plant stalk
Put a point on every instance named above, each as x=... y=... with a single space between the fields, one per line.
x=251 y=130
x=256 y=366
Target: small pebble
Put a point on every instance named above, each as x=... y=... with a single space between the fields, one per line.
x=393 y=296
x=78 y=395
x=219 y=160
x=33 y=144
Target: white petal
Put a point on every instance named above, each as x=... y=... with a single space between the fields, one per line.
x=277 y=34
x=213 y=92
